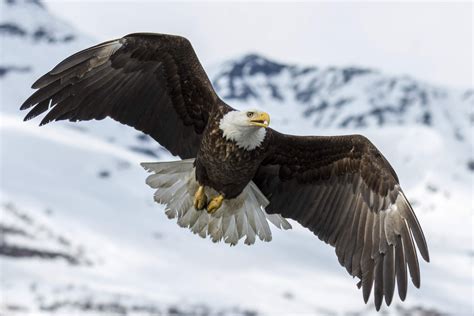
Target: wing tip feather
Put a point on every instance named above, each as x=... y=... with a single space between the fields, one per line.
x=415 y=228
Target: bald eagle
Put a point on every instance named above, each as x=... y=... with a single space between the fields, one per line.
x=237 y=174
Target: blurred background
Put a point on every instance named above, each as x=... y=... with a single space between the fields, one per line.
x=80 y=233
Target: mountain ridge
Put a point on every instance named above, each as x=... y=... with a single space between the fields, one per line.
x=326 y=93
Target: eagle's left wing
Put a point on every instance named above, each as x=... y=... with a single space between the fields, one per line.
x=346 y=193
x=152 y=82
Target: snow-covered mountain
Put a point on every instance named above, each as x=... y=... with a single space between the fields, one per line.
x=345 y=97
x=79 y=232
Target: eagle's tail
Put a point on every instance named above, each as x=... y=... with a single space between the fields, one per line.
x=244 y=215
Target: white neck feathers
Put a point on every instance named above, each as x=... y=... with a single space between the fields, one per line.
x=235 y=127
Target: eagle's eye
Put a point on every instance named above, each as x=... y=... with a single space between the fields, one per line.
x=250 y=114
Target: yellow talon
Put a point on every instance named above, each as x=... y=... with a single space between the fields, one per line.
x=215 y=203
x=200 y=198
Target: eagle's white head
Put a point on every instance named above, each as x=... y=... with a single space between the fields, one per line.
x=246 y=128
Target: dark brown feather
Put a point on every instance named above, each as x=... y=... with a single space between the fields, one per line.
x=401 y=269
x=389 y=274
x=152 y=82
x=378 y=286
x=346 y=192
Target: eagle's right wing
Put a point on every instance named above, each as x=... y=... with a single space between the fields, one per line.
x=152 y=82
x=344 y=191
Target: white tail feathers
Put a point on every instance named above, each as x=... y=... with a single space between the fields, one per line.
x=242 y=216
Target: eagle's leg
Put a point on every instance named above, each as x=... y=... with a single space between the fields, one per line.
x=200 y=199
x=215 y=203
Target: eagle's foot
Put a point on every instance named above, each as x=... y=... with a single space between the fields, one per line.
x=200 y=199
x=215 y=203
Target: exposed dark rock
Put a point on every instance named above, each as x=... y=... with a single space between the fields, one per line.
x=432 y=188
x=41 y=34
x=17 y=213
x=342 y=102
x=29 y=236
x=119 y=307
x=468 y=94
x=470 y=165
x=10 y=230
x=143 y=137
x=12 y=29
x=78 y=127
x=248 y=66
x=157 y=235
x=305 y=95
x=351 y=72
x=288 y=296
x=354 y=121
x=16 y=308
x=87 y=306
x=458 y=135
x=4 y=70
x=143 y=150
x=63 y=241
x=419 y=311
x=25 y=252
x=426 y=118
x=300 y=71
x=104 y=174
x=16 y=2
x=252 y=64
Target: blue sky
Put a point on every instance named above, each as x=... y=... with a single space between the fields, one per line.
x=431 y=41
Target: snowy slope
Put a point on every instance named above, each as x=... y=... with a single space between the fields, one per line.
x=81 y=234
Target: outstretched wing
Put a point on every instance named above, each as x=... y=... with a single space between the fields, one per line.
x=152 y=82
x=347 y=194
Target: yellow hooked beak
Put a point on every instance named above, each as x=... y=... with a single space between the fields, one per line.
x=261 y=119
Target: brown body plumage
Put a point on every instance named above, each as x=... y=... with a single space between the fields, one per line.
x=221 y=164
x=341 y=187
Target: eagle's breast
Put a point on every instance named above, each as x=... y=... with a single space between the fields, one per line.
x=224 y=165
